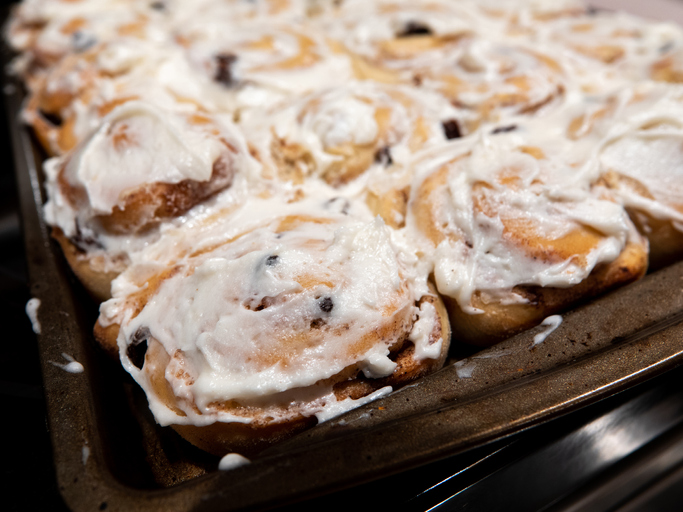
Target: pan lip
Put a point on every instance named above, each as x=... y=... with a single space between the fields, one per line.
x=328 y=458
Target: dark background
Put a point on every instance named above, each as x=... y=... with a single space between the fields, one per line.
x=27 y=480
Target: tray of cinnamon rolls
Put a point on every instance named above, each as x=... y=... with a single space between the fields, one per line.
x=279 y=224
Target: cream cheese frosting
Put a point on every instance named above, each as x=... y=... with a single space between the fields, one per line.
x=342 y=132
x=503 y=189
x=326 y=285
x=138 y=145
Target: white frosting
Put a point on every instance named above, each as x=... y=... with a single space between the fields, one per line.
x=348 y=404
x=232 y=461
x=32 y=312
x=137 y=144
x=351 y=121
x=422 y=331
x=72 y=366
x=645 y=144
x=211 y=315
x=464 y=369
x=550 y=323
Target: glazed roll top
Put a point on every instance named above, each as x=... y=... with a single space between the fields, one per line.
x=640 y=158
x=501 y=213
x=48 y=30
x=143 y=165
x=281 y=308
x=606 y=51
x=260 y=63
x=448 y=48
x=644 y=143
x=340 y=133
x=73 y=97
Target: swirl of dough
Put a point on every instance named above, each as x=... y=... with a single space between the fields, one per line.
x=48 y=30
x=639 y=135
x=280 y=321
x=422 y=45
x=497 y=80
x=516 y=234
x=339 y=134
x=261 y=63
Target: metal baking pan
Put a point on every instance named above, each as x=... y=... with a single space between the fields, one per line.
x=109 y=453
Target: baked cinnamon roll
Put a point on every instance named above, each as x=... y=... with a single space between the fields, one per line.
x=515 y=235
x=442 y=46
x=341 y=133
x=641 y=162
x=73 y=98
x=45 y=31
x=294 y=312
x=607 y=51
x=142 y=167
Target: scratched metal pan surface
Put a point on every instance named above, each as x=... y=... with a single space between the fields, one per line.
x=110 y=454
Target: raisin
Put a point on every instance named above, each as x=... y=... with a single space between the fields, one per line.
x=224 y=62
x=415 y=28
x=383 y=156
x=326 y=304
x=451 y=129
x=53 y=118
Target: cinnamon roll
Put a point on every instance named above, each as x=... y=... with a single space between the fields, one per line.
x=341 y=133
x=515 y=234
x=641 y=163
x=143 y=166
x=292 y=312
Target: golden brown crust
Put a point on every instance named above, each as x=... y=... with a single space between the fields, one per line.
x=391 y=205
x=244 y=438
x=146 y=206
x=500 y=321
x=408 y=368
x=665 y=240
x=107 y=336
